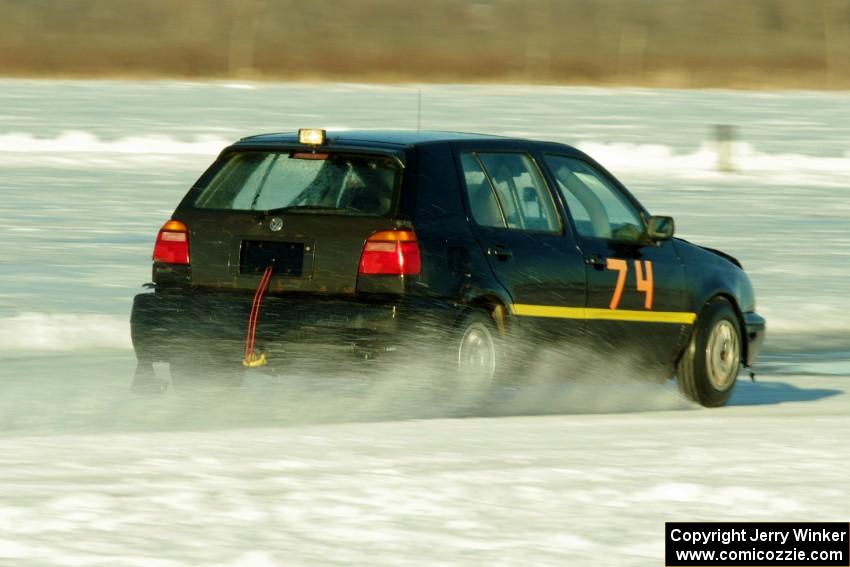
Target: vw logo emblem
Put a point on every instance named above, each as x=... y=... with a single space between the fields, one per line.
x=275 y=224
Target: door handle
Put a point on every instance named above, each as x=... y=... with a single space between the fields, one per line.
x=500 y=252
x=596 y=261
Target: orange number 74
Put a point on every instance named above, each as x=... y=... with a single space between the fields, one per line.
x=643 y=279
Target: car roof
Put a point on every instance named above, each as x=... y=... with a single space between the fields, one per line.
x=397 y=141
x=389 y=138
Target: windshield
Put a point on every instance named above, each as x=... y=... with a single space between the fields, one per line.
x=263 y=181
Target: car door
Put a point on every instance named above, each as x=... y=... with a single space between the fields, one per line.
x=636 y=300
x=517 y=224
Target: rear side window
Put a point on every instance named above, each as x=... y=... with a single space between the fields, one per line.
x=506 y=190
x=483 y=204
x=262 y=181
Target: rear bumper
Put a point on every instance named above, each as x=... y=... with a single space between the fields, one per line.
x=755 y=331
x=164 y=324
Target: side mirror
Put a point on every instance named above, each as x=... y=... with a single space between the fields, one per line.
x=659 y=228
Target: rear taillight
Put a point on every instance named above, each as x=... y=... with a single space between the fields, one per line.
x=172 y=244
x=391 y=252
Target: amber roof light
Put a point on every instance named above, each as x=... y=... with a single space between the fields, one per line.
x=311 y=136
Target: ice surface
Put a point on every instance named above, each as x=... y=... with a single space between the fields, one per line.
x=335 y=470
x=63 y=332
x=320 y=476
x=75 y=141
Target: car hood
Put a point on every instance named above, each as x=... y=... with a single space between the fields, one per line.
x=716 y=252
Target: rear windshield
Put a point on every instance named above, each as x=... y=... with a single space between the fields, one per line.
x=263 y=181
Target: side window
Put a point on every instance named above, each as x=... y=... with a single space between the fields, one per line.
x=482 y=201
x=507 y=190
x=598 y=208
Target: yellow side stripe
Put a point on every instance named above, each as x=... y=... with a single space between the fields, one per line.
x=526 y=310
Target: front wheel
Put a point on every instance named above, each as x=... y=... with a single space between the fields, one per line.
x=707 y=371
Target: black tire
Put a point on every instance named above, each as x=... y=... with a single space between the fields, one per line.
x=478 y=354
x=708 y=369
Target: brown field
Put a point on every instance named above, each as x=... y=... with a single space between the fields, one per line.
x=670 y=43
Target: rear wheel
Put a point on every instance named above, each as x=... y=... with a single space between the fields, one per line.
x=478 y=354
x=707 y=371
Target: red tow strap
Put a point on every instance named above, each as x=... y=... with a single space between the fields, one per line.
x=253 y=359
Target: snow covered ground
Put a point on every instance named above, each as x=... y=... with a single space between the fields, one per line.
x=330 y=470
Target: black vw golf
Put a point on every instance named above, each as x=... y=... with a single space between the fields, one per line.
x=374 y=242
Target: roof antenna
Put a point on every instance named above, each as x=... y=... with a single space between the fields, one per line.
x=419 y=110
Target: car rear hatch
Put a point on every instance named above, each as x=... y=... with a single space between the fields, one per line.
x=316 y=253
x=305 y=214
